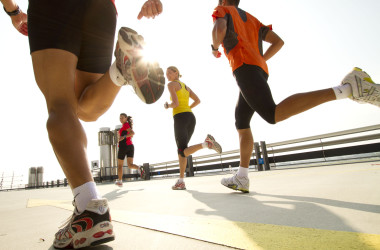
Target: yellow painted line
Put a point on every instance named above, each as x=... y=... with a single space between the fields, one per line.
x=242 y=235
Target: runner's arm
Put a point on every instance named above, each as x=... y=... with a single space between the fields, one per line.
x=218 y=34
x=173 y=95
x=19 y=21
x=276 y=44
x=194 y=97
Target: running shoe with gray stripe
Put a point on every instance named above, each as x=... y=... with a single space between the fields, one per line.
x=212 y=144
x=364 y=90
x=236 y=183
x=146 y=77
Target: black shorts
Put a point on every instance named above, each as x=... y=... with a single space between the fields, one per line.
x=128 y=151
x=85 y=28
x=184 y=124
x=255 y=96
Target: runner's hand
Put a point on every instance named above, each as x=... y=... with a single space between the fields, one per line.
x=20 y=22
x=216 y=53
x=150 y=9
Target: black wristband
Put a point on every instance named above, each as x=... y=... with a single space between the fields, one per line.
x=212 y=47
x=13 y=13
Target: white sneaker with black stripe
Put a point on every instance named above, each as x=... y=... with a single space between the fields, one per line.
x=364 y=90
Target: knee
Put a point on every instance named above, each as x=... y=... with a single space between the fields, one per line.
x=181 y=152
x=88 y=117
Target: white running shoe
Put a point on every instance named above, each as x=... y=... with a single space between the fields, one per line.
x=212 y=144
x=179 y=185
x=119 y=183
x=146 y=78
x=364 y=90
x=89 y=228
x=236 y=183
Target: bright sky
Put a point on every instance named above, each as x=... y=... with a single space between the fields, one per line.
x=324 y=40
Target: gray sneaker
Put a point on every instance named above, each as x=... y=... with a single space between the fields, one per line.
x=212 y=144
x=146 y=77
x=236 y=183
x=364 y=90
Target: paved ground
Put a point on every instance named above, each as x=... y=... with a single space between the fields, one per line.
x=330 y=207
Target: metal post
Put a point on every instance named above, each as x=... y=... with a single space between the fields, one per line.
x=147 y=171
x=265 y=155
x=189 y=167
x=258 y=156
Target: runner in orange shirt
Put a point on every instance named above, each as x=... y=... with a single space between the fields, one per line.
x=241 y=36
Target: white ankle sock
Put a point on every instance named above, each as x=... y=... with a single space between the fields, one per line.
x=342 y=91
x=180 y=180
x=115 y=75
x=242 y=172
x=205 y=145
x=84 y=194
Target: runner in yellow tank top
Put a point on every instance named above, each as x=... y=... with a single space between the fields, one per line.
x=184 y=122
x=183 y=99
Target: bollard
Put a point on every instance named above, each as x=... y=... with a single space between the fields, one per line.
x=146 y=171
x=258 y=156
x=265 y=155
x=189 y=167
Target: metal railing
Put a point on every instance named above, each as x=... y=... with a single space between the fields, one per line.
x=332 y=148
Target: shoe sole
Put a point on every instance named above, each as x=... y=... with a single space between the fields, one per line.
x=234 y=187
x=147 y=78
x=217 y=146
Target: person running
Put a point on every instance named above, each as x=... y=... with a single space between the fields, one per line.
x=126 y=148
x=71 y=45
x=241 y=36
x=184 y=122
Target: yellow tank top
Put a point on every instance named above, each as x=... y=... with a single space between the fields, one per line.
x=183 y=100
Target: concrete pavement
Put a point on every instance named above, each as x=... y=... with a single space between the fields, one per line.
x=330 y=207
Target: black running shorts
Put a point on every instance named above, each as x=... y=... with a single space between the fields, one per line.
x=85 y=28
x=128 y=150
x=255 y=95
x=184 y=124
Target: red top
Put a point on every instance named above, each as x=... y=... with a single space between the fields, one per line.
x=244 y=36
x=122 y=132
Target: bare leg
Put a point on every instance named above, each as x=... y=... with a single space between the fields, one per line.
x=120 y=168
x=182 y=166
x=95 y=94
x=246 y=146
x=130 y=163
x=56 y=81
x=192 y=149
x=299 y=103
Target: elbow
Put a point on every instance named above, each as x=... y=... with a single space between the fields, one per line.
x=280 y=42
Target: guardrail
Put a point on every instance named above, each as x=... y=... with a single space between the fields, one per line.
x=333 y=148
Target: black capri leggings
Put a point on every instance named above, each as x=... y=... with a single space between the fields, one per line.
x=255 y=95
x=85 y=28
x=184 y=124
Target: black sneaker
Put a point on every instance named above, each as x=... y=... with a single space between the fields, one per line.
x=90 y=228
x=146 y=78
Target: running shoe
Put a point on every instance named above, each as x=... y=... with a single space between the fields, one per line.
x=179 y=185
x=212 y=144
x=119 y=183
x=142 y=172
x=146 y=78
x=90 y=228
x=364 y=90
x=237 y=183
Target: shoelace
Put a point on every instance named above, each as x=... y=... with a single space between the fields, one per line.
x=67 y=221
